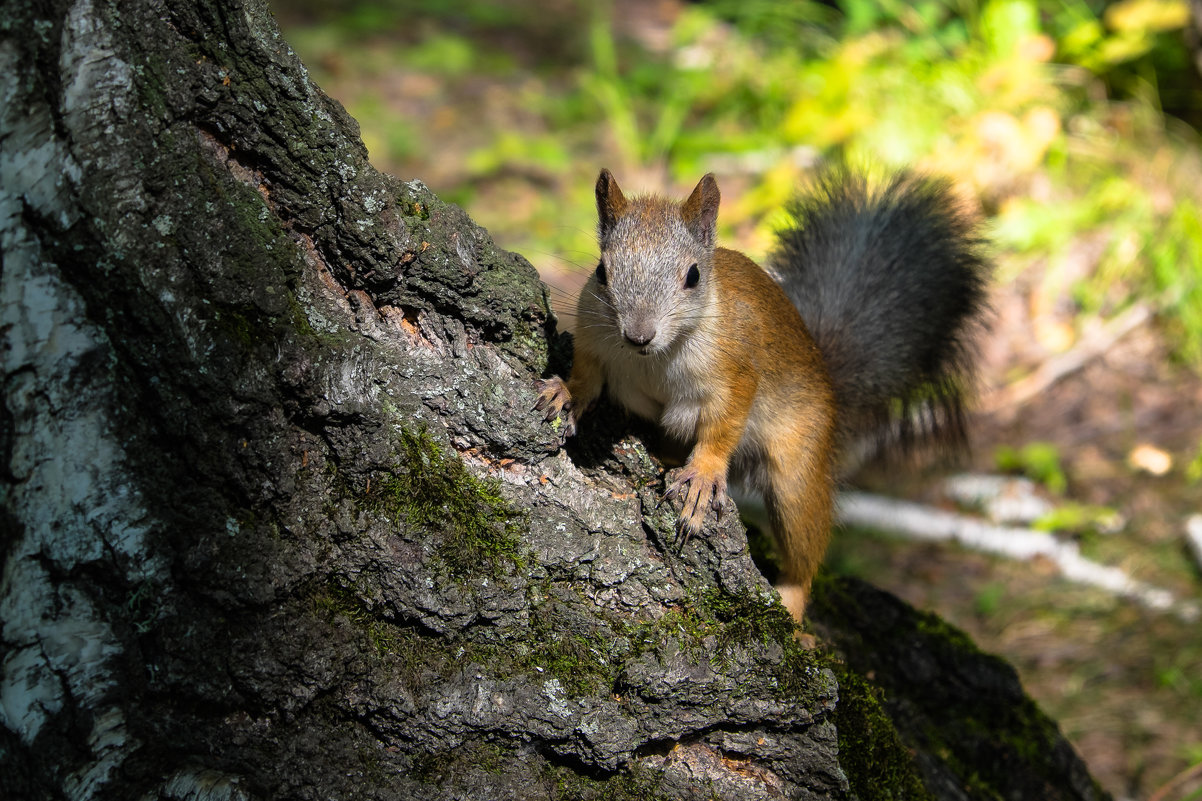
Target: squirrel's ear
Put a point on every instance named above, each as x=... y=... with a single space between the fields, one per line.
x=611 y=203
x=700 y=211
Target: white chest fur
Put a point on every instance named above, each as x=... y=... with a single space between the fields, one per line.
x=670 y=388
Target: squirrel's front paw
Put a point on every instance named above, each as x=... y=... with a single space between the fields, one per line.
x=553 y=398
x=701 y=493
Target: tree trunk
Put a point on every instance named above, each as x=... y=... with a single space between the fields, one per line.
x=278 y=518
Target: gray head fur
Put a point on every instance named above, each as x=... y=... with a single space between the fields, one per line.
x=654 y=279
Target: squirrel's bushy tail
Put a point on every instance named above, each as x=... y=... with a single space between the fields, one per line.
x=891 y=281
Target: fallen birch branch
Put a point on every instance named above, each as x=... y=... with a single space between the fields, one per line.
x=919 y=522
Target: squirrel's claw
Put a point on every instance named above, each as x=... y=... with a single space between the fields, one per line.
x=553 y=398
x=701 y=494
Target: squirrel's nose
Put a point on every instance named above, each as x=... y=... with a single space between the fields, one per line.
x=639 y=340
x=639 y=334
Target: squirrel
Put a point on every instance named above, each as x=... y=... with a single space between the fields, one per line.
x=860 y=328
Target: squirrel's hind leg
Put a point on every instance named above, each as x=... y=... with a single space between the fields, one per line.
x=799 y=505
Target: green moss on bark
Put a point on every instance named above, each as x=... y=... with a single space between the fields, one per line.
x=962 y=712
x=877 y=763
x=433 y=491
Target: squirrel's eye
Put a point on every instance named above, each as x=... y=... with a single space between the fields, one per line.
x=601 y=273
x=692 y=277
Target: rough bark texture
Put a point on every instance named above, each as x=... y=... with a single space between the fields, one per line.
x=278 y=520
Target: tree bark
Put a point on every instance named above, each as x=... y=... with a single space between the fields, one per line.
x=278 y=518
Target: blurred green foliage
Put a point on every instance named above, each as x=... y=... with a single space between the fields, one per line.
x=1038 y=461
x=1084 y=520
x=1193 y=471
x=1055 y=115
x=989 y=598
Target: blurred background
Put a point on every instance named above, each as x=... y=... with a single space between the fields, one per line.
x=1070 y=125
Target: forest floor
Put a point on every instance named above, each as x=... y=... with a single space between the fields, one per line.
x=1124 y=681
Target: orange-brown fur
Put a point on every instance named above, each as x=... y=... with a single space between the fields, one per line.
x=794 y=433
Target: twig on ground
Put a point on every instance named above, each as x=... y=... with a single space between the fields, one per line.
x=1009 y=399
x=1162 y=792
